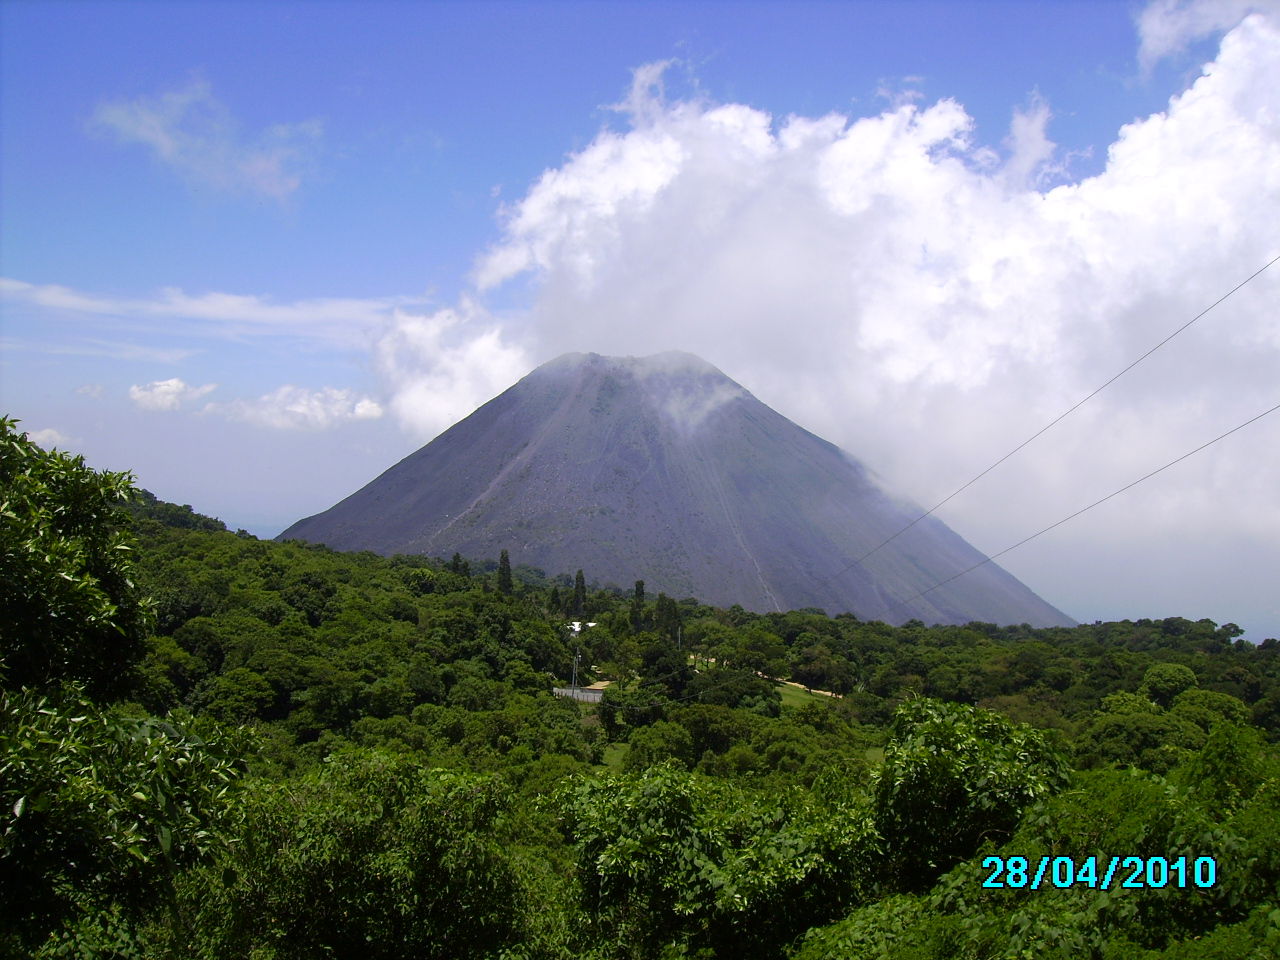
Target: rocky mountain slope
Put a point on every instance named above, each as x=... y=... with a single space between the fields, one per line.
x=663 y=469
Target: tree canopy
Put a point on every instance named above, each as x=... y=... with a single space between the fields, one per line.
x=306 y=753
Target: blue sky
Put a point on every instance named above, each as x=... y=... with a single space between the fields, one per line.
x=257 y=252
x=423 y=109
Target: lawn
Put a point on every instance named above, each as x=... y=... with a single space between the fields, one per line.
x=797 y=697
x=613 y=754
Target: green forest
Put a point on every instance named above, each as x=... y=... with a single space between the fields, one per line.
x=214 y=746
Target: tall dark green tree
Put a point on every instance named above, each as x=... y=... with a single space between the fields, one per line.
x=579 y=594
x=504 y=574
x=667 y=618
x=637 y=607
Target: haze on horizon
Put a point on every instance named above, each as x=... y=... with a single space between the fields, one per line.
x=258 y=254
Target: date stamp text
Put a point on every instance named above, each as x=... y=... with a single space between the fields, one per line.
x=1099 y=873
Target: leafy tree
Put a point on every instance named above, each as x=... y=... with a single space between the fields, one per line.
x=875 y=930
x=99 y=812
x=672 y=863
x=1229 y=769
x=1208 y=707
x=666 y=616
x=237 y=696
x=623 y=707
x=662 y=663
x=730 y=687
x=1130 y=729
x=952 y=777
x=756 y=649
x=148 y=506
x=579 y=594
x=644 y=844
x=1164 y=681
x=371 y=855
x=818 y=668
x=71 y=610
x=659 y=742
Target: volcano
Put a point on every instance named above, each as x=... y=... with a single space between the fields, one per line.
x=665 y=470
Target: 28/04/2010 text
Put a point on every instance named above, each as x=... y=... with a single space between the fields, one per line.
x=1133 y=872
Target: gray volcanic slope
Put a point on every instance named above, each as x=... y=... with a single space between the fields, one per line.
x=663 y=469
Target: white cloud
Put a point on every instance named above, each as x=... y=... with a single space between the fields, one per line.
x=436 y=367
x=1166 y=27
x=1030 y=149
x=343 y=322
x=192 y=131
x=441 y=366
x=297 y=408
x=287 y=408
x=926 y=304
x=50 y=438
x=167 y=394
x=96 y=347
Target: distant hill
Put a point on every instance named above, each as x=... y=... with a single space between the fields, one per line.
x=146 y=505
x=663 y=469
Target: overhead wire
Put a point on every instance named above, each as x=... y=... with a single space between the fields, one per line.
x=985 y=560
x=1096 y=503
x=1058 y=419
x=1062 y=416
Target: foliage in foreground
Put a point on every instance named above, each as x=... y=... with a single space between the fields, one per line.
x=1101 y=814
x=410 y=787
x=370 y=855
x=71 y=610
x=100 y=812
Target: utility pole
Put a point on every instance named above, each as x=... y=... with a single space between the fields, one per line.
x=574 y=684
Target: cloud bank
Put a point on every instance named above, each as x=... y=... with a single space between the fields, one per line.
x=927 y=301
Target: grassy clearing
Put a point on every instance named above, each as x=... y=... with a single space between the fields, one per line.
x=613 y=755
x=797 y=696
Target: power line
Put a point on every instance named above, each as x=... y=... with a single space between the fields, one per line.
x=1094 y=504
x=981 y=563
x=1062 y=416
